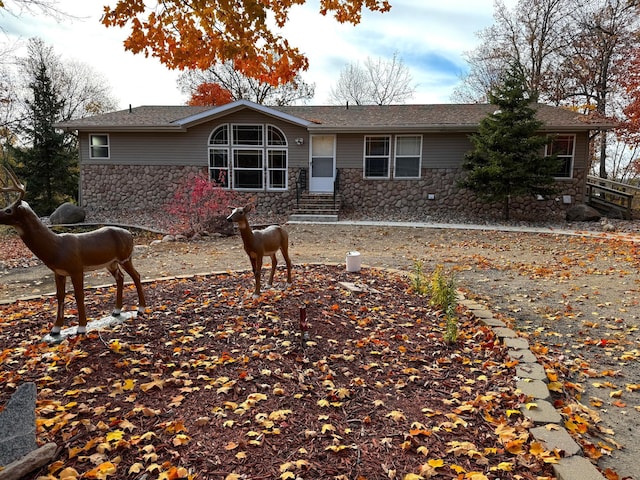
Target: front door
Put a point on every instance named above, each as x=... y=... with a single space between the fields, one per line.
x=322 y=164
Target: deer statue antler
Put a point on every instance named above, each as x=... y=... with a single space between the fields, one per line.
x=261 y=243
x=70 y=255
x=16 y=186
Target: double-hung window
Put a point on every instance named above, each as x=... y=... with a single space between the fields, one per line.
x=248 y=157
x=376 y=156
x=99 y=146
x=408 y=156
x=563 y=147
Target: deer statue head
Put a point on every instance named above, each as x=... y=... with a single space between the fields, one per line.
x=70 y=255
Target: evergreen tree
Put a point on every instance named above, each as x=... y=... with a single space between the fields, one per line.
x=507 y=159
x=48 y=165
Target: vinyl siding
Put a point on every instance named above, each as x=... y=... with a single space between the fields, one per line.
x=186 y=148
x=439 y=150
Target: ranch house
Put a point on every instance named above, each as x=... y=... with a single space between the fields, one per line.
x=403 y=159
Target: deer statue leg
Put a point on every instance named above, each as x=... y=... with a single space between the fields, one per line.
x=257 y=272
x=78 y=290
x=274 y=264
x=119 y=277
x=135 y=276
x=61 y=282
x=285 y=253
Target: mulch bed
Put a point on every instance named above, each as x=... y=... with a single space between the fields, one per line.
x=209 y=383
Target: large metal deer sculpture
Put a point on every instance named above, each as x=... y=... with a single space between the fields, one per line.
x=261 y=243
x=70 y=255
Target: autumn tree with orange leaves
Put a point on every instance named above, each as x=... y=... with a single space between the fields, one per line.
x=196 y=34
x=210 y=94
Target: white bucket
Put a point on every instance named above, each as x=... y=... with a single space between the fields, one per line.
x=354 y=261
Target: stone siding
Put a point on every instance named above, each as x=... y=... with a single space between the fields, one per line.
x=149 y=188
x=437 y=191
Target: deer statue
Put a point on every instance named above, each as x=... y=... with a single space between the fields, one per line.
x=261 y=243
x=70 y=255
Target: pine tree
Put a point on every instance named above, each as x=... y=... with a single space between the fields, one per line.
x=48 y=165
x=507 y=159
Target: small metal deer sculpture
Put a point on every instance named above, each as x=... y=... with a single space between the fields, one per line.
x=70 y=255
x=261 y=243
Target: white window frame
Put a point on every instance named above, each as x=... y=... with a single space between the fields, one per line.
x=398 y=156
x=368 y=157
x=223 y=149
x=271 y=169
x=92 y=146
x=571 y=157
x=264 y=146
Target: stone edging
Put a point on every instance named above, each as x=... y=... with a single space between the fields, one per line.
x=532 y=381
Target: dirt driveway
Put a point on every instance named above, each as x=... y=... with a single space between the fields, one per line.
x=577 y=296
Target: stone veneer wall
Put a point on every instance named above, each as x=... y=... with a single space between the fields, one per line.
x=411 y=197
x=150 y=188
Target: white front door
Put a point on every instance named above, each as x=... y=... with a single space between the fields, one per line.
x=322 y=164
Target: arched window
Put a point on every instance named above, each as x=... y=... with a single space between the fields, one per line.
x=248 y=157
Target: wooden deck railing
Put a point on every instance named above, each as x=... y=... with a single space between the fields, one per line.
x=609 y=193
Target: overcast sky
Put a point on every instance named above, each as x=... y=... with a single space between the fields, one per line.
x=430 y=37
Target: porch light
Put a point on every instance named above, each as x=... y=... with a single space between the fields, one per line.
x=299 y=141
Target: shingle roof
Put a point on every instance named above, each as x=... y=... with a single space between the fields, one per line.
x=435 y=117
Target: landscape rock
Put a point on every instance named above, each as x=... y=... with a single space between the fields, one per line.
x=67 y=213
x=18 y=424
x=30 y=462
x=583 y=213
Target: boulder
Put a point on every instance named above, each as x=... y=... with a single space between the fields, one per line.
x=67 y=213
x=583 y=213
x=18 y=424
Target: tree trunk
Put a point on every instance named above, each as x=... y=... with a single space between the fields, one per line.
x=603 y=154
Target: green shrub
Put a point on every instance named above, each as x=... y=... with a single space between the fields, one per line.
x=442 y=289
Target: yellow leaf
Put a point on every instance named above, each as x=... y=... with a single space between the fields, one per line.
x=129 y=384
x=158 y=382
x=287 y=475
x=327 y=427
x=68 y=473
x=115 y=435
x=336 y=448
x=241 y=455
x=503 y=467
x=531 y=405
x=413 y=476
x=279 y=415
x=396 y=415
x=135 y=468
x=436 y=463
x=101 y=471
x=232 y=476
x=115 y=346
x=476 y=476
x=555 y=387
x=423 y=450
x=181 y=439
